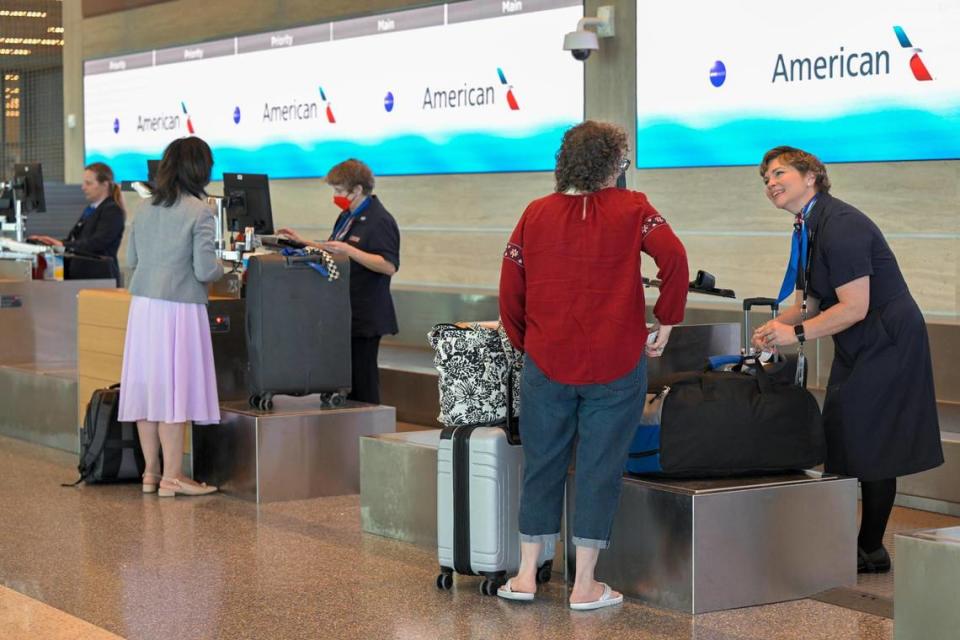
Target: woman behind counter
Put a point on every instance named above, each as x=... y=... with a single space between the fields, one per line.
x=880 y=411
x=168 y=374
x=99 y=230
x=366 y=233
x=571 y=298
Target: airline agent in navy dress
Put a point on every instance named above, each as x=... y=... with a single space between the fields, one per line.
x=366 y=233
x=880 y=412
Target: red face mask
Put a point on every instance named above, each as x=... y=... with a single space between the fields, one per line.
x=342 y=201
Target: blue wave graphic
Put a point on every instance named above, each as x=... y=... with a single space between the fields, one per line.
x=887 y=135
x=404 y=155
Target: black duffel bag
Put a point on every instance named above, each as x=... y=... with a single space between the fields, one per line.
x=727 y=423
x=109 y=449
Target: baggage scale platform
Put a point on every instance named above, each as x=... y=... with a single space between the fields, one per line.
x=708 y=545
x=298 y=450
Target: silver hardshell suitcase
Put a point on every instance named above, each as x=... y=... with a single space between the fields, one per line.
x=479 y=474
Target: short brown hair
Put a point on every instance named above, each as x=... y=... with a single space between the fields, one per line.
x=349 y=174
x=184 y=168
x=801 y=161
x=589 y=156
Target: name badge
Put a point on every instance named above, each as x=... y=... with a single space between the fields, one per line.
x=354 y=238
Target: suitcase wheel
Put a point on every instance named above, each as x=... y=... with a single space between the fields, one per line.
x=333 y=400
x=544 y=573
x=262 y=402
x=445 y=581
x=490 y=585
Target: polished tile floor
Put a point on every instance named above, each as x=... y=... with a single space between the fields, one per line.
x=100 y=560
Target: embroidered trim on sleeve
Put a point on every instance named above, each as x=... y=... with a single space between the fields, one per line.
x=652 y=223
x=514 y=253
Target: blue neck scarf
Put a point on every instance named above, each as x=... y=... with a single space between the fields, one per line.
x=798 y=252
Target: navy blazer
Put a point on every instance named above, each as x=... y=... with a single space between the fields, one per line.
x=99 y=233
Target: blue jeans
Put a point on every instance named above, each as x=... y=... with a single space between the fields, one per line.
x=553 y=416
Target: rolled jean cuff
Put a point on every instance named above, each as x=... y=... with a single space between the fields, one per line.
x=589 y=542
x=541 y=539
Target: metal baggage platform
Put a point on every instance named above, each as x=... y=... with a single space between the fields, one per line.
x=298 y=450
x=708 y=545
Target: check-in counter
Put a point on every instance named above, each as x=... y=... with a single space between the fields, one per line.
x=101 y=332
x=297 y=450
x=38 y=359
x=102 y=329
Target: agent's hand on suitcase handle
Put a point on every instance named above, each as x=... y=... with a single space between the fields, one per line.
x=773 y=334
x=657 y=340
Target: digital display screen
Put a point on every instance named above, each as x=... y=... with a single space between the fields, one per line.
x=851 y=81
x=476 y=86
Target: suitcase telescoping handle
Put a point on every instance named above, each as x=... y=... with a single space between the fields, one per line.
x=513 y=423
x=748 y=304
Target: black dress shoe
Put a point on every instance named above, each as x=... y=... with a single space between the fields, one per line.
x=874 y=562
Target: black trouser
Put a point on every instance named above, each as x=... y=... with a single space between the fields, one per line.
x=366 y=373
x=877 y=502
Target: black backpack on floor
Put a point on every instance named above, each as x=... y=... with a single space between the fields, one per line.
x=109 y=449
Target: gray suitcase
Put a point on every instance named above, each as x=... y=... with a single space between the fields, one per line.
x=479 y=474
x=298 y=330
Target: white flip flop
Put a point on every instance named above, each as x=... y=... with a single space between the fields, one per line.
x=605 y=600
x=507 y=593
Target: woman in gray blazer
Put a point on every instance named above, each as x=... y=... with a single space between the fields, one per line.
x=168 y=374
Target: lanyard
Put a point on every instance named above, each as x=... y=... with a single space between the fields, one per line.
x=798 y=254
x=342 y=228
x=801 y=376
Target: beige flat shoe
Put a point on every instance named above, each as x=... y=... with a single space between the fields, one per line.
x=170 y=487
x=150 y=482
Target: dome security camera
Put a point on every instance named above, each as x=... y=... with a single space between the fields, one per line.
x=581 y=43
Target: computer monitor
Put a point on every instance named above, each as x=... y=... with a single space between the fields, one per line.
x=6 y=204
x=246 y=199
x=152 y=167
x=28 y=183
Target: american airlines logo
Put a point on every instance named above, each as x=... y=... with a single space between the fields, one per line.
x=916 y=64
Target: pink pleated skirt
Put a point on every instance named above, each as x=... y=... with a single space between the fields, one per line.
x=168 y=372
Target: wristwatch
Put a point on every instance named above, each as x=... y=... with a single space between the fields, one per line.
x=798 y=329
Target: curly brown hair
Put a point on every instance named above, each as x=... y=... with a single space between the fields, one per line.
x=589 y=156
x=801 y=161
x=350 y=173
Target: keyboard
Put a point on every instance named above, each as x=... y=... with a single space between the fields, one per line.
x=6 y=244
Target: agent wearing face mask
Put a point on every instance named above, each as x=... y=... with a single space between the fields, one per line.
x=366 y=233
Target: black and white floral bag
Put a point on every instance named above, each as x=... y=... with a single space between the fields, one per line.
x=473 y=360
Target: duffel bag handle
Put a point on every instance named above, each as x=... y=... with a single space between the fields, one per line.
x=715 y=362
x=764 y=383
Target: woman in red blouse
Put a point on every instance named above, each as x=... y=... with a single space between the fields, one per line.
x=571 y=298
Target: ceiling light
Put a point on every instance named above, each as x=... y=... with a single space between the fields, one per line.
x=49 y=42
x=22 y=14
